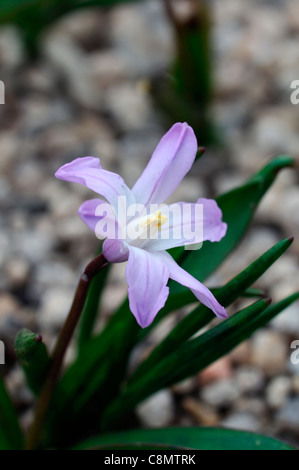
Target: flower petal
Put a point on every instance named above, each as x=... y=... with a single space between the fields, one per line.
x=188 y=224
x=199 y=290
x=147 y=277
x=100 y=218
x=89 y=172
x=87 y=212
x=168 y=165
x=115 y=251
x=213 y=227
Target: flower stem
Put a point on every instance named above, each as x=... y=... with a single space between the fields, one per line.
x=61 y=346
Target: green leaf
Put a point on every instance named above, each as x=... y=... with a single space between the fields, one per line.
x=194 y=356
x=201 y=315
x=188 y=438
x=11 y=437
x=33 y=356
x=253 y=292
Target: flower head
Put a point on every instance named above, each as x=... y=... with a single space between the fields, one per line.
x=141 y=235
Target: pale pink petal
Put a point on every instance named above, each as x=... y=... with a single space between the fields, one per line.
x=188 y=224
x=172 y=159
x=100 y=218
x=199 y=290
x=89 y=172
x=115 y=251
x=147 y=277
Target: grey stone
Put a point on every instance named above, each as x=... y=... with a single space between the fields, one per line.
x=242 y=421
x=250 y=379
x=287 y=417
x=157 y=411
x=269 y=351
x=278 y=391
x=221 y=393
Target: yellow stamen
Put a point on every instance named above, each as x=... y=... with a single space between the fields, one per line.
x=156 y=221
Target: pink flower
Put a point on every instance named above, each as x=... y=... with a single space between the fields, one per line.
x=149 y=264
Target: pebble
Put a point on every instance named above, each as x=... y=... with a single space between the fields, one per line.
x=220 y=369
x=269 y=351
x=241 y=353
x=278 y=391
x=17 y=271
x=202 y=414
x=250 y=379
x=32 y=245
x=242 y=421
x=65 y=55
x=185 y=387
x=222 y=393
x=12 y=53
x=287 y=417
x=252 y=405
x=55 y=273
x=157 y=411
x=123 y=96
x=16 y=387
x=83 y=25
x=107 y=68
x=8 y=305
x=55 y=305
x=295 y=383
x=8 y=150
x=143 y=35
x=288 y=320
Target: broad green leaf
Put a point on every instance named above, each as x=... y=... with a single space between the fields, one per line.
x=194 y=356
x=188 y=438
x=201 y=315
x=11 y=437
x=33 y=356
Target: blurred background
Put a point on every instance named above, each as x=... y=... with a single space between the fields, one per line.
x=107 y=79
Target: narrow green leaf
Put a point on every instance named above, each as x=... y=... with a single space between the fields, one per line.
x=11 y=437
x=201 y=315
x=194 y=356
x=33 y=356
x=188 y=438
x=253 y=292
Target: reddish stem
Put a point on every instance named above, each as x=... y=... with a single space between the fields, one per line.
x=61 y=346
